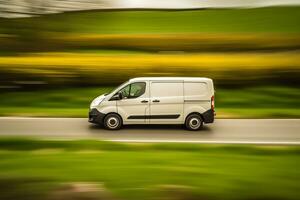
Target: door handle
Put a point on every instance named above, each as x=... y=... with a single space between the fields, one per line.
x=156 y=101
x=144 y=101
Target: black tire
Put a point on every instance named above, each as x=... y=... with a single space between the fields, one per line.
x=194 y=122
x=112 y=122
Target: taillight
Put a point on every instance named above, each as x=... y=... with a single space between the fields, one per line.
x=213 y=103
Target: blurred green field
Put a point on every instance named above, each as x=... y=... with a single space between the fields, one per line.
x=31 y=168
x=270 y=28
x=271 y=19
x=251 y=102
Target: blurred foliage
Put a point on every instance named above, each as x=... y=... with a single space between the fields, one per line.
x=79 y=69
x=196 y=42
x=251 y=102
x=144 y=171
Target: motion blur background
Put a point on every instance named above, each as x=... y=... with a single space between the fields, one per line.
x=57 y=55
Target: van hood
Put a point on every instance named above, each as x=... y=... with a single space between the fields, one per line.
x=97 y=100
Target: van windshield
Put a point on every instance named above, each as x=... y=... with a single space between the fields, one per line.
x=119 y=87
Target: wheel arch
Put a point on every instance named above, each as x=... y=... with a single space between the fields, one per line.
x=112 y=113
x=192 y=113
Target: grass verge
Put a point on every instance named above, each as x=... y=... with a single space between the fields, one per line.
x=134 y=171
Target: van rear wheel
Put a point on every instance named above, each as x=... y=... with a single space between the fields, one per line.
x=112 y=122
x=194 y=122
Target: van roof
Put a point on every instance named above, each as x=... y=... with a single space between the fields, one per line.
x=202 y=79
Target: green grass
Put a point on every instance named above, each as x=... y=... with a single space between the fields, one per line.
x=253 y=102
x=272 y=19
x=259 y=102
x=133 y=171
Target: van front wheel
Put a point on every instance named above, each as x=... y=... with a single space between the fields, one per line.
x=194 y=122
x=112 y=122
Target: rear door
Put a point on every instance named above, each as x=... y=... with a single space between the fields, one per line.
x=166 y=102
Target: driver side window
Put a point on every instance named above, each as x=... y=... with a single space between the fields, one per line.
x=134 y=90
x=125 y=91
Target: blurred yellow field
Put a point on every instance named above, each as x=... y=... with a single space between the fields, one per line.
x=208 y=61
x=110 y=69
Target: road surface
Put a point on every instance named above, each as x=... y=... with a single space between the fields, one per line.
x=241 y=131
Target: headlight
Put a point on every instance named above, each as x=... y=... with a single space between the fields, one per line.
x=96 y=102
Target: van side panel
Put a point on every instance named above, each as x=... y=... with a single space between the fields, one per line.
x=166 y=102
x=195 y=91
x=197 y=97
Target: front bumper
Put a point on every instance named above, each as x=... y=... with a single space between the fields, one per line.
x=96 y=117
x=209 y=116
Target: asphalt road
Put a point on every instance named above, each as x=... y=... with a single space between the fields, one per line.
x=242 y=131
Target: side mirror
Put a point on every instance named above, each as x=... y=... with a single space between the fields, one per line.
x=120 y=95
x=117 y=96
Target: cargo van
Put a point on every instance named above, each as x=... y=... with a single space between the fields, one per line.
x=156 y=100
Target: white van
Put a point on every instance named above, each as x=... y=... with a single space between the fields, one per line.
x=156 y=100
